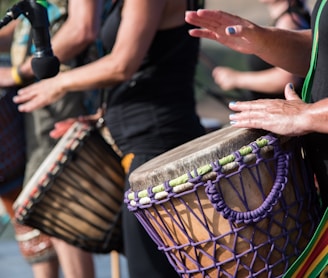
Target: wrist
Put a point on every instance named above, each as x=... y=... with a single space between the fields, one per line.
x=15 y=74
x=19 y=78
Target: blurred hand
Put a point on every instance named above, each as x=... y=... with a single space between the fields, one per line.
x=39 y=94
x=225 y=78
x=61 y=127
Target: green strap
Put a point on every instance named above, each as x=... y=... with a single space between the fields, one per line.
x=307 y=86
x=43 y=3
x=306 y=94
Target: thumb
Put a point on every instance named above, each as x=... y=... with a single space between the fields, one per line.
x=290 y=93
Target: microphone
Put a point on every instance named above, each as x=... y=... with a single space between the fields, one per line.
x=44 y=63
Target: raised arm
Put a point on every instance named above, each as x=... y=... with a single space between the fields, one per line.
x=288 y=49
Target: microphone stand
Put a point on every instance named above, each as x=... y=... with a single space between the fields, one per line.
x=44 y=63
x=34 y=10
x=11 y=14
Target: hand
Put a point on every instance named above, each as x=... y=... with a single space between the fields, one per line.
x=227 y=29
x=286 y=117
x=62 y=126
x=225 y=78
x=39 y=94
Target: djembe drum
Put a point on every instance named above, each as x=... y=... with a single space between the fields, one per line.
x=232 y=203
x=77 y=192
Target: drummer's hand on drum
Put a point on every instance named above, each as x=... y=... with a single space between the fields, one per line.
x=289 y=117
x=39 y=94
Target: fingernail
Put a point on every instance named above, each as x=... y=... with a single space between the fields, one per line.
x=231 y=116
x=231 y=30
x=233 y=122
x=232 y=103
x=291 y=86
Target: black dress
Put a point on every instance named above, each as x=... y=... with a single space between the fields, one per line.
x=148 y=115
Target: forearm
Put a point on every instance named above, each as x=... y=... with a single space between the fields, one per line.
x=269 y=81
x=316 y=117
x=287 y=49
x=80 y=29
x=99 y=74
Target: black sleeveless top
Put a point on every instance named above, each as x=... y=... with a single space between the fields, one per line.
x=257 y=64
x=155 y=110
x=316 y=144
x=320 y=81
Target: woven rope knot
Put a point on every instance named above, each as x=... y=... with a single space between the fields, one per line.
x=255 y=147
x=150 y=192
x=194 y=178
x=167 y=187
x=216 y=167
x=238 y=156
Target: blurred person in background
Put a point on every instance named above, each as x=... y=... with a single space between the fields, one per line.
x=74 y=25
x=149 y=75
x=261 y=79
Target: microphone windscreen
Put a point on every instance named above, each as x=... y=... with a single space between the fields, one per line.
x=45 y=67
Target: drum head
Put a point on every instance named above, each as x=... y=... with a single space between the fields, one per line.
x=191 y=155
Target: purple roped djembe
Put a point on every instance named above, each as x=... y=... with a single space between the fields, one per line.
x=233 y=203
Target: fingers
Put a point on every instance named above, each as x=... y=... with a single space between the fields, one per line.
x=23 y=96
x=202 y=33
x=29 y=100
x=61 y=128
x=203 y=18
x=248 y=119
x=209 y=20
x=251 y=114
x=247 y=105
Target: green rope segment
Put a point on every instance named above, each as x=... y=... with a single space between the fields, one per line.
x=244 y=151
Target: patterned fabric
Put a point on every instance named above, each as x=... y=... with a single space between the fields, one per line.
x=314 y=258
x=12 y=143
x=12 y=138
